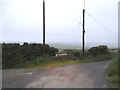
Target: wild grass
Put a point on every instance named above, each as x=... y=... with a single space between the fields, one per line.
x=53 y=61
x=112 y=73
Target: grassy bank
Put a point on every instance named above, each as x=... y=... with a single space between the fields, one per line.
x=50 y=63
x=53 y=61
x=112 y=73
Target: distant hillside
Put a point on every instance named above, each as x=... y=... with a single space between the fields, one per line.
x=78 y=46
x=65 y=46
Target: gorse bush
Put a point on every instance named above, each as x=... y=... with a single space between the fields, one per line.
x=73 y=54
x=15 y=53
x=99 y=50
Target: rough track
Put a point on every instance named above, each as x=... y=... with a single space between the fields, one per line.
x=90 y=75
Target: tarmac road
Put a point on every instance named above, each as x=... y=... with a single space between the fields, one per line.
x=89 y=75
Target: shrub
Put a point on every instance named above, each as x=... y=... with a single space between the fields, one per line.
x=99 y=50
x=73 y=54
x=14 y=53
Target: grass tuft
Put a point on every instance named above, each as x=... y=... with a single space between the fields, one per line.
x=112 y=74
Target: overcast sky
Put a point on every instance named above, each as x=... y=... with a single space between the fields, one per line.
x=21 y=20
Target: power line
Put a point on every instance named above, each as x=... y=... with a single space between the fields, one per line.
x=84 y=4
x=13 y=17
x=3 y=12
x=101 y=25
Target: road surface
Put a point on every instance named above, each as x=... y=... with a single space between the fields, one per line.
x=89 y=75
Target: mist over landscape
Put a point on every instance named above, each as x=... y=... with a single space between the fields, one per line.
x=63 y=22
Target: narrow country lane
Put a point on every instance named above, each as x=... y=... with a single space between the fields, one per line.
x=89 y=75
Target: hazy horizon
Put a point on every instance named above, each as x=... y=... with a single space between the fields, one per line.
x=71 y=45
x=21 y=21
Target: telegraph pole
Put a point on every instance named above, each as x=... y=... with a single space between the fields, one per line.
x=43 y=26
x=83 y=43
x=43 y=22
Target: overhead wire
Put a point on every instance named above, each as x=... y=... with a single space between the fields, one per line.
x=102 y=25
x=3 y=12
x=15 y=15
x=84 y=4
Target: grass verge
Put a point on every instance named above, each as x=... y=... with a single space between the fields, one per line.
x=112 y=74
x=51 y=61
x=48 y=63
x=46 y=60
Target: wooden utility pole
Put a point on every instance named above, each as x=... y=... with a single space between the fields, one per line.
x=83 y=43
x=43 y=22
x=43 y=26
